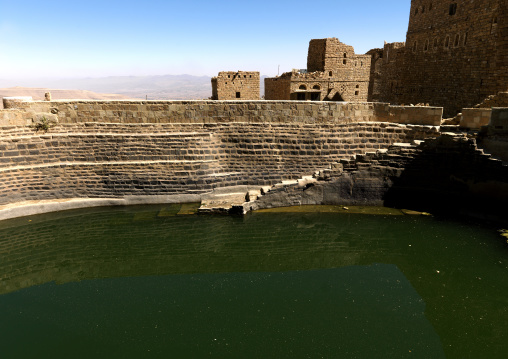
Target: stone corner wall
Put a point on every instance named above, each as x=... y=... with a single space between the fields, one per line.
x=413 y=115
x=494 y=137
x=475 y=118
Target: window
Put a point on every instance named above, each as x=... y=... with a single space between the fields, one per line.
x=314 y=96
x=447 y=42
x=238 y=95
x=416 y=11
x=426 y=47
x=456 y=42
x=465 y=38
x=357 y=86
x=345 y=55
x=430 y=6
x=344 y=61
x=494 y=25
x=356 y=93
x=300 y=96
x=317 y=87
x=423 y=9
x=436 y=43
x=414 y=46
x=303 y=87
x=330 y=74
x=453 y=9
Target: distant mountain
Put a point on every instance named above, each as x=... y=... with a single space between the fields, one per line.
x=165 y=87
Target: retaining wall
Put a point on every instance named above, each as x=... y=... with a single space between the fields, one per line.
x=103 y=149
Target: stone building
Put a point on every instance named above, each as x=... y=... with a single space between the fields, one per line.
x=455 y=55
x=236 y=85
x=334 y=73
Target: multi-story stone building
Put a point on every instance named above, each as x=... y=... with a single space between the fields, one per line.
x=334 y=73
x=236 y=85
x=455 y=55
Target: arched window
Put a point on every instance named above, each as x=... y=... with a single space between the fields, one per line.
x=436 y=43
x=317 y=87
x=447 y=42
x=414 y=46
x=303 y=87
x=426 y=47
x=430 y=6
x=330 y=74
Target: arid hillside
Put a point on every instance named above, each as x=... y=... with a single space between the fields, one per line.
x=38 y=94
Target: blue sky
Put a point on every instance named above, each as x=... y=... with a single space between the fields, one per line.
x=129 y=38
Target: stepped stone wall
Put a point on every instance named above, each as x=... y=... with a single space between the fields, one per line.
x=117 y=149
x=446 y=174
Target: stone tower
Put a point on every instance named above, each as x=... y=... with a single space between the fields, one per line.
x=456 y=53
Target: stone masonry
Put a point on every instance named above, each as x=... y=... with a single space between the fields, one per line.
x=239 y=85
x=334 y=73
x=114 y=149
x=455 y=55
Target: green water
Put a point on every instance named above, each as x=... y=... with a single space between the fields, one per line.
x=144 y=282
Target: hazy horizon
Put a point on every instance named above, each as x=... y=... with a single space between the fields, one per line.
x=96 y=39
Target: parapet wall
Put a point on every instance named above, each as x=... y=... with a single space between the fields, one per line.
x=220 y=112
x=118 y=149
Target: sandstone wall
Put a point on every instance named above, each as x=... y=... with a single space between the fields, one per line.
x=208 y=112
x=448 y=175
x=494 y=138
x=455 y=54
x=116 y=149
x=278 y=88
x=475 y=118
x=236 y=85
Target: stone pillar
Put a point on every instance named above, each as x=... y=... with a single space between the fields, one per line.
x=47 y=96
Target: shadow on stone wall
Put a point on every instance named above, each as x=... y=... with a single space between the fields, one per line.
x=447 y=175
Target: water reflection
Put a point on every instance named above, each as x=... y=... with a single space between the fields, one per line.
x=263 y=285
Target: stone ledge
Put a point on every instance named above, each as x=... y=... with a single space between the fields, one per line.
x=29 y=208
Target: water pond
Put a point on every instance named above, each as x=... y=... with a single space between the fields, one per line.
x=155 y=282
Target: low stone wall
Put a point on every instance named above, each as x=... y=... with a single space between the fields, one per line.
x=475 y=118
x=416 y=115
x=494 y=138
x=224 y=112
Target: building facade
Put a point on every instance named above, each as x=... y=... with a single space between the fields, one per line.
x=334 y=73
x=455 y=55
x=236 y=85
